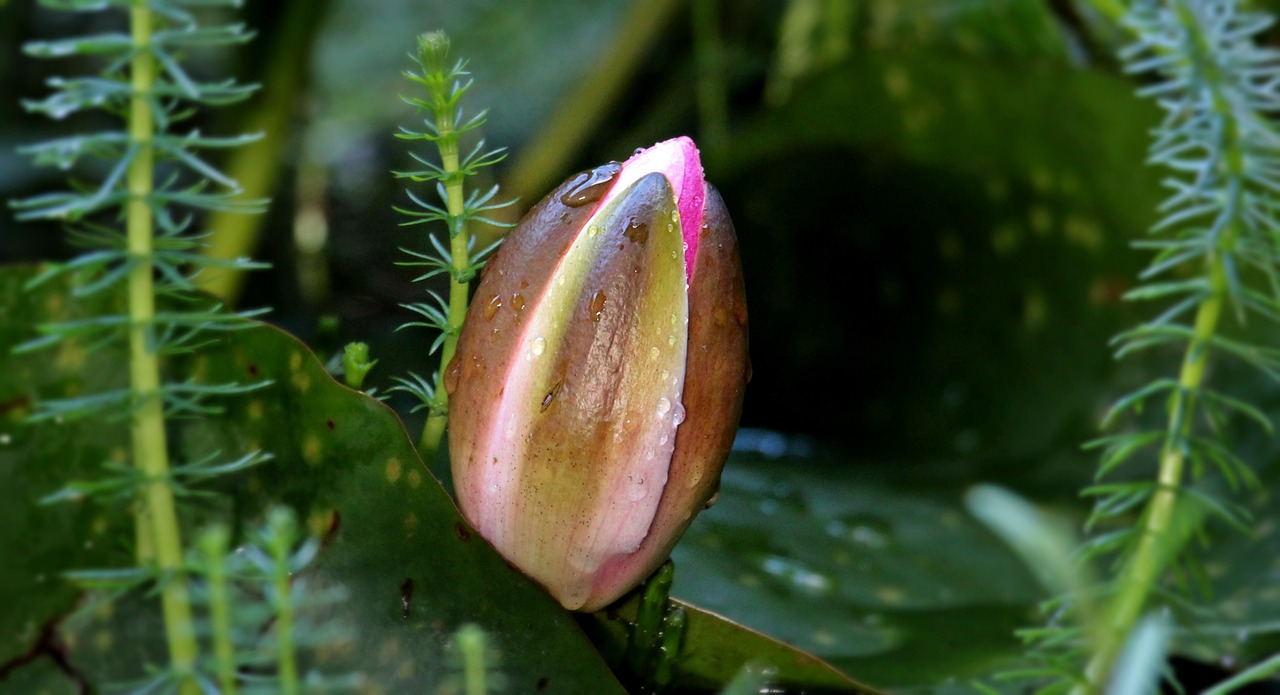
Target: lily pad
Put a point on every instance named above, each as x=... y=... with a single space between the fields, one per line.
x=895 y=584
x=412 y=570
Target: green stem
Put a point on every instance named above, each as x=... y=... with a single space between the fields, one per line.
x=214 y=544
x=459 y=287
x=470 y=640
x=1253 y=674
x=280 y=579
x=156 y=516
x=713 y=119
x=1141 y=571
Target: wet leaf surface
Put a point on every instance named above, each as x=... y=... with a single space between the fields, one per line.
x=895 y=584
x=411 y=569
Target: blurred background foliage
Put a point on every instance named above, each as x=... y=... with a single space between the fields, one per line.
x=934 y=200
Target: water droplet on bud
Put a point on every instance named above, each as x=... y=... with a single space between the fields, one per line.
x=539 y=344
x=653 y=353
x=517 y=303
x=451 y=374
x=590 y=186
x=636 y=231
x=635 y=491
x=664 y=406
x=596 y=309
x=491 y=307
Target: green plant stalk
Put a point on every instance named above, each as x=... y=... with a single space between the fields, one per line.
x=713 y=119
x=214 y=545
x=257 y=166
x=1250 y=675
x=288 y=668
x=1140 y=572
x=459 y=287
x=156 y=515
x=471 y=644
x=580 y=111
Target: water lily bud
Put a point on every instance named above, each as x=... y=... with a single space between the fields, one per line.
x=599 y=376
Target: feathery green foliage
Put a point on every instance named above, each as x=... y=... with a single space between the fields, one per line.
x=1215 y=268
x=446 y=124
x=138 y=225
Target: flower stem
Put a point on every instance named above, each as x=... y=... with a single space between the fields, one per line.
x=459 y=283
x=1140 y=572
x=471 y=643
x=214 y=544
x=156 y=519
x=282 y=532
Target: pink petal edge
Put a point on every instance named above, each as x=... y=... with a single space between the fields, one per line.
x=678 y=160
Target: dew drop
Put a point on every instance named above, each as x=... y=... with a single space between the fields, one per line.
x=653 y=353
x=539 y=344
x=666 y=375
x=706 y=229
x=636 y=231
x=675 y=216
x=593 y=231
x=590 y=186
x=635 y=491
x=452 y=373
x=664 y=440
x=664 y=405
x=596 y=309
x=517 y=303
x=491 y=307
x=679 y=415
x=671 y=340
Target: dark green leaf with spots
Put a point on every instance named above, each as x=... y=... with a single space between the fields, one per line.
x=412 y=570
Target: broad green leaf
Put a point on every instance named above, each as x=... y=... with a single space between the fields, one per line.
x=412 y=570
x=897 y=585
x=716 y=649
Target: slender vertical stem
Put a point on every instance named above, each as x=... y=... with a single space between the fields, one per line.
x=459 y=288
x=713 y=119
x=214 y=544
x=156 y=516
x=1141 y=571
x=280 y=543
x=470 y=640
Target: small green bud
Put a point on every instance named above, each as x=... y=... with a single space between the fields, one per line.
x=356 y=364
x=433 y=52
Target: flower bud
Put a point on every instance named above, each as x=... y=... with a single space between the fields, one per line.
x=599 y=376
